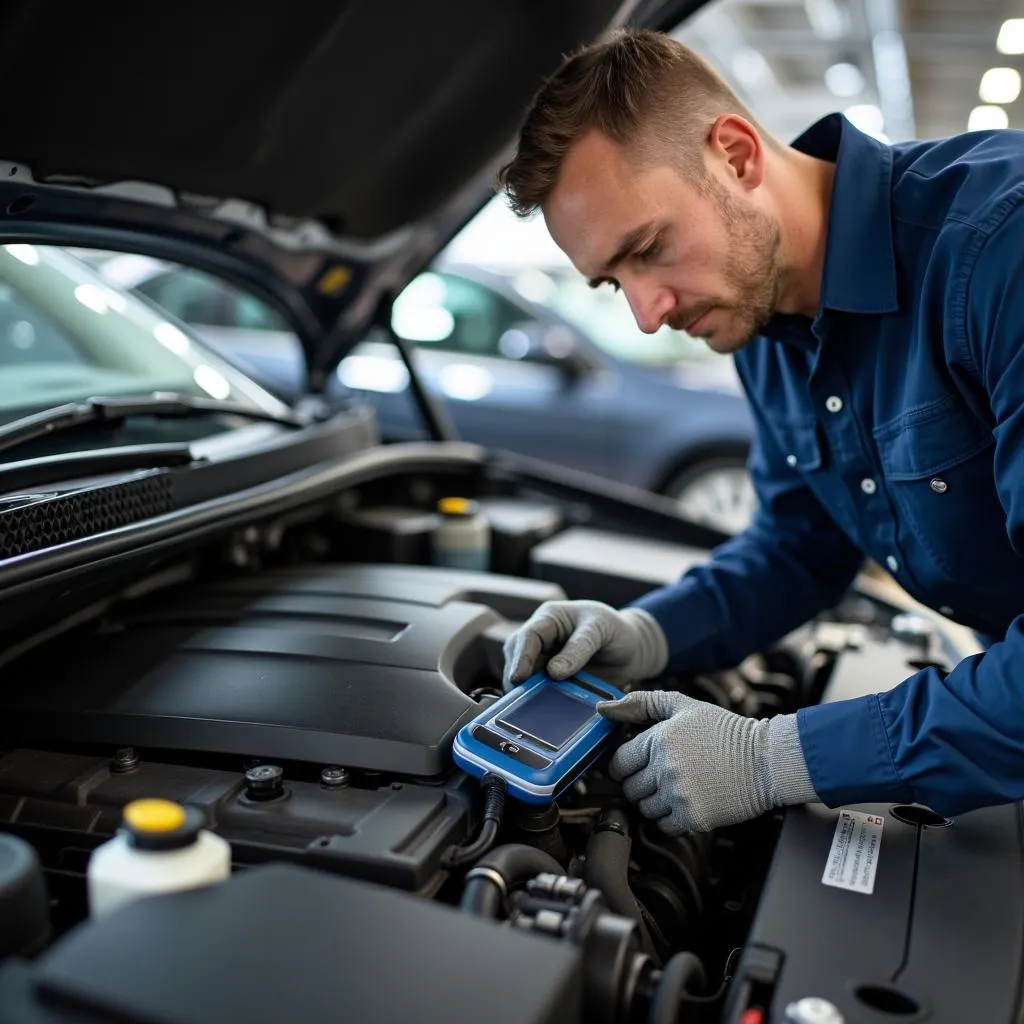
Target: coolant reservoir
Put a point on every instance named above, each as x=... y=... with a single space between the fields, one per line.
x=462 y=538
x=162 y=847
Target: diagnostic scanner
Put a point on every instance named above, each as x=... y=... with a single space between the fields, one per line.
x=539 y=737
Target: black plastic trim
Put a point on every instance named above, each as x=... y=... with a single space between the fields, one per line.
x=651 y=515
x=17 y=476
x=188 y=526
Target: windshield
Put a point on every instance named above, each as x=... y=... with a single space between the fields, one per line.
x=604 y=316
x=67 y=335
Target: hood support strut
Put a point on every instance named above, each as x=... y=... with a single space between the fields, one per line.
x=435 y=417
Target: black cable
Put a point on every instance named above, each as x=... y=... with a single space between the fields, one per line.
x=680 y=972
x=494 y=810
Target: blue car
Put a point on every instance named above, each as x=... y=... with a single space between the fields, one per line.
x=531 y=361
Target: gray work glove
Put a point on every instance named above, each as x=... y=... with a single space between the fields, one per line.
x=621 y=646
x=700 y=767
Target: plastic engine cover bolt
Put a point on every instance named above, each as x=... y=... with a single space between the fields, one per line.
x=813 y=1010
x=264 y=782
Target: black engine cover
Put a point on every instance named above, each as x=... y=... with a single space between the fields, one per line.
x=280 y=943
x=352 y=665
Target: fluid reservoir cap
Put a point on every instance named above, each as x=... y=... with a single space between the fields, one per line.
x=457 y=507
x=161 y=824
x=154 y=815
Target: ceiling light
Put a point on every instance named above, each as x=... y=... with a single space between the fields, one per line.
x=844 y=80
x=170 y=337
x=999 y=85
x=26 y=253
x=212 y=382
x=750 y=68
x=867 y=117
x=1011 y=36
x=827 y=18
x=373 y=373
x=986 y=118
x=92 y=298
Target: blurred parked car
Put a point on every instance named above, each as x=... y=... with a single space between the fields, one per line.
x=531 y=361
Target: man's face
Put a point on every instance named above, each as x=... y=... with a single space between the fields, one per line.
x=704 y=260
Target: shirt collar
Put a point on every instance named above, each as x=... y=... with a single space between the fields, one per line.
x=860 y=264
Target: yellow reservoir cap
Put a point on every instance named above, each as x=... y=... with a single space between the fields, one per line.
x=154 y=815
x=454 y=506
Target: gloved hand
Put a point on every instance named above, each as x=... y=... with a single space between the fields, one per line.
x=622 y=646
x=700 y=767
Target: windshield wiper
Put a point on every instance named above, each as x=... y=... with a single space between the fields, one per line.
x=115 y=410
x=46 y=469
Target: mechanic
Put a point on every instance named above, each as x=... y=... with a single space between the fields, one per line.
x=873 y=296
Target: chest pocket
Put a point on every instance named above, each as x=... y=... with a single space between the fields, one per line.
x=798 y=439
x=938 y=468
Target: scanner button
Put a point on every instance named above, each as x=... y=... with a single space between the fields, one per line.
x=513 y=750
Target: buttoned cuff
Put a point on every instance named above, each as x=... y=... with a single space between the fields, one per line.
x=846 y=748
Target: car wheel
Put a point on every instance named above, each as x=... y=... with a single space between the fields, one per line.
x=716 y=492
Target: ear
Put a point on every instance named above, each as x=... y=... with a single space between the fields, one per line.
x=735 y=142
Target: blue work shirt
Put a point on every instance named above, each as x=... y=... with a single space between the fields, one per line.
x=892 y=425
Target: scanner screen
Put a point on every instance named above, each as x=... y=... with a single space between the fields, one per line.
x=549 y=715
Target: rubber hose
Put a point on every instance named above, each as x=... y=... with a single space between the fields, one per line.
x=679 y=973
x=514 y=863
x=607 y=868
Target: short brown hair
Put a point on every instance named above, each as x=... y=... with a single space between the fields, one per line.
x=637 y=87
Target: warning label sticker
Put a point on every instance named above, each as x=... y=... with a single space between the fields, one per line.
x=853 y=858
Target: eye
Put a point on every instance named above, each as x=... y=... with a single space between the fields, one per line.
x=650 y=251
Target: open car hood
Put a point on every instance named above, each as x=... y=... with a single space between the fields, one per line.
x=319 y=158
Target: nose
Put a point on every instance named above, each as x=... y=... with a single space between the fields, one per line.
x=650 y=304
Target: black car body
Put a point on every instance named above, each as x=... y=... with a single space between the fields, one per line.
x=231 y=606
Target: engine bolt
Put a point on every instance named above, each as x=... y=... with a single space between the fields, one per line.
x=264 y=782
x=124 y=760
x=334 y=777
x=813 y=1010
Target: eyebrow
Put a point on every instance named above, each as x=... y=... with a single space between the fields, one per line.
x=627 y=243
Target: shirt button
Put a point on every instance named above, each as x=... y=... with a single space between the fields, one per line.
x=833 y=403
x=868 y=486
x=938 y=485
x=790 y=460
x=893 y=565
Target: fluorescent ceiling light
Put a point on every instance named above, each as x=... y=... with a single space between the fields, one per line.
x=750 y=68
x=844 y=80
x=999 y=85
x=867 y=117
x=1011 y=36
x=26 y=253
x=986 y=118
x=827 y=18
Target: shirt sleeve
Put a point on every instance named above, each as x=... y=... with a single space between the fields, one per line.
x=954 y=742
x=791 y=563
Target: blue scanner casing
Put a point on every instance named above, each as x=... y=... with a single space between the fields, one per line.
x=540 y=737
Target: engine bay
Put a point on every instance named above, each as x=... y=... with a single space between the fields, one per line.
x=301 y=681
